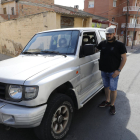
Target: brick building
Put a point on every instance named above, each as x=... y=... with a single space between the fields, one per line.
x=25 y=7
x=115 y=11
x=15 y=34
x=10 y=9
x=35 y=16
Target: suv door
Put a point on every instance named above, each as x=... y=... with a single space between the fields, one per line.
x=90 y=75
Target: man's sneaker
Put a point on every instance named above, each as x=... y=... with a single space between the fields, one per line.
x=112 y=110
x=104 y=104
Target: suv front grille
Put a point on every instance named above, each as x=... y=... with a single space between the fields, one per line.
x=2 y=90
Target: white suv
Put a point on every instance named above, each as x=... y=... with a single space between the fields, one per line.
x=56 y=73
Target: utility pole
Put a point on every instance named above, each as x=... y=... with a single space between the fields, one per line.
x=126 y=27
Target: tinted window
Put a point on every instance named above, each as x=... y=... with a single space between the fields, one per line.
x=90 y=38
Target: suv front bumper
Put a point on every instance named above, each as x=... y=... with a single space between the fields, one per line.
x=21 y=117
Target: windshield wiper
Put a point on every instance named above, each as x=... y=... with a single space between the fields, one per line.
x=53 y=52
x=31 y=53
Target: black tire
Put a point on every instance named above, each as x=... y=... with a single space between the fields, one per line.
x=49 y=124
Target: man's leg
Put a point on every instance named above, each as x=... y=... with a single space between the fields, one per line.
x=113 y=88
x=107 y=94
x=112 y=109
x=113 y=97
x=106 y=81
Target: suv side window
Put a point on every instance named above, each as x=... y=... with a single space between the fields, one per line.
x=90 y=38
x=102 y=35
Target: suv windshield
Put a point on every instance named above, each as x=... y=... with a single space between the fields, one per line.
x=60 y=42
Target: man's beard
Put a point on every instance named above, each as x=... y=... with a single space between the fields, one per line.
x=110 y=39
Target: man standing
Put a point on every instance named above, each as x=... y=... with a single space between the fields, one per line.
x=112 y=60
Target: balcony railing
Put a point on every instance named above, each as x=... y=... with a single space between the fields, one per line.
x=130 y=25
x=131 y=8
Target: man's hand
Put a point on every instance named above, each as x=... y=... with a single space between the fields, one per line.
x=115 y=74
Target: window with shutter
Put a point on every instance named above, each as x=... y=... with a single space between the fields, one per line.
x=4 y=11
x=114 y=3
x=91 y=4
x=12 y=10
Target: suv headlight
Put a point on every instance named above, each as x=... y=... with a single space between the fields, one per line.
x=17 y=93
x=30 y=92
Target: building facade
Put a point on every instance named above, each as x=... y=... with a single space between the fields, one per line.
x=116 y=11
x=15 y=34
x=25 y=7
x=33 y=17
x=22 y=8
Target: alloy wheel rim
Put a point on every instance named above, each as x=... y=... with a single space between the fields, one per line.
x=60 y=119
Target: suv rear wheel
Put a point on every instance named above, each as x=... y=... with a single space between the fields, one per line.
x=57 y=118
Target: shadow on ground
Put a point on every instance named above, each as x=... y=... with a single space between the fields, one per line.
x=89 y=123
x=93 y=123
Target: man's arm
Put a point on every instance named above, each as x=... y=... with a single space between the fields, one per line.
x=99 y=46
x=123 y=61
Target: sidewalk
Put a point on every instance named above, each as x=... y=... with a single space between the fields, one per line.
x=135 y=48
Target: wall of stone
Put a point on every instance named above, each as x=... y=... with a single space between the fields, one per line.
x=29 y=8
x=15 y=34
x=78 y=22
x=40 y=1
x=2 y=19
x=82 y=22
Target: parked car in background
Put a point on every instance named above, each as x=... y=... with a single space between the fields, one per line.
x=56 y=74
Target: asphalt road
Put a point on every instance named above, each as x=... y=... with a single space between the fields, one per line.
x=3 y=57
x=93 y=123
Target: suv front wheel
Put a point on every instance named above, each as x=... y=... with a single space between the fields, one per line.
x=57 y=118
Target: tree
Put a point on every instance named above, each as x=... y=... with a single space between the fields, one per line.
x=93 y=25
x=97 y=25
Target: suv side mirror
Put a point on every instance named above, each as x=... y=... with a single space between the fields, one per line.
x=87 y=49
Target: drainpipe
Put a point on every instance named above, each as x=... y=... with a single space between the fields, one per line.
x=117 y=29
x=83 y=22
x=18 y=10
x=8 y=16
x=8 y=9
x=8 y=13
x=126 y=27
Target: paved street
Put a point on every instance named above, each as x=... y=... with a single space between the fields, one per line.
x=93 y=123
x=3 y=57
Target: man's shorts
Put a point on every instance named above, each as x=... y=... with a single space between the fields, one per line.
x=109 y=81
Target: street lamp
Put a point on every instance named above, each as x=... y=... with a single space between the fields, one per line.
x=134 y=28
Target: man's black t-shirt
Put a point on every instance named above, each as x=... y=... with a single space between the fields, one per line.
x=110 y=56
